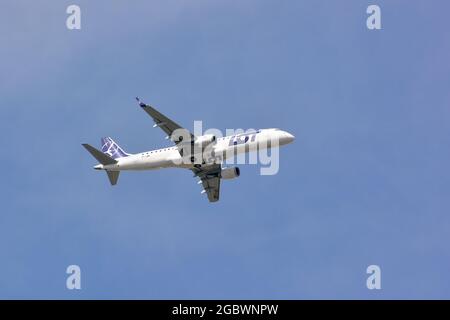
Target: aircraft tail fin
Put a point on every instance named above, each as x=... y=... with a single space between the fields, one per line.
x=112 y=149
x=113 y=176
x=101 y=157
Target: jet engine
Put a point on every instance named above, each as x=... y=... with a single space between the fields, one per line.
x=230 y=173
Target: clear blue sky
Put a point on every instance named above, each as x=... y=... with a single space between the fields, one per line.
x=366 y=182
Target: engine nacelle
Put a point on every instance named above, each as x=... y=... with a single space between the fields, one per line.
x=204 y=141
x=230 y=173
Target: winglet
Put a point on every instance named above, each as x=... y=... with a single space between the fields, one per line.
x=141 y=104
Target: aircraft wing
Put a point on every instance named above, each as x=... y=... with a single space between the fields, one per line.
x=210 y=179
x=167 y=125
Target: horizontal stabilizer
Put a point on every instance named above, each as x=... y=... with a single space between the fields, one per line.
x=113 y=176
x=100 y=156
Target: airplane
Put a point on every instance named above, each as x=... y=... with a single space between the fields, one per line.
x=189 y=152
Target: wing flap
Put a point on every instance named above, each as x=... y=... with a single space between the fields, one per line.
x=212 y=188
x=210 y=179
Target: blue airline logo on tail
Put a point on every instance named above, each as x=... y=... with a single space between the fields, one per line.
x=112 y=149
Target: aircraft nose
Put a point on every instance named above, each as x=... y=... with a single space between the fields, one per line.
x=286 y=138
x=290 y=137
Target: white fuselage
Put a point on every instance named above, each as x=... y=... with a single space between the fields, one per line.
x=223 y=148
